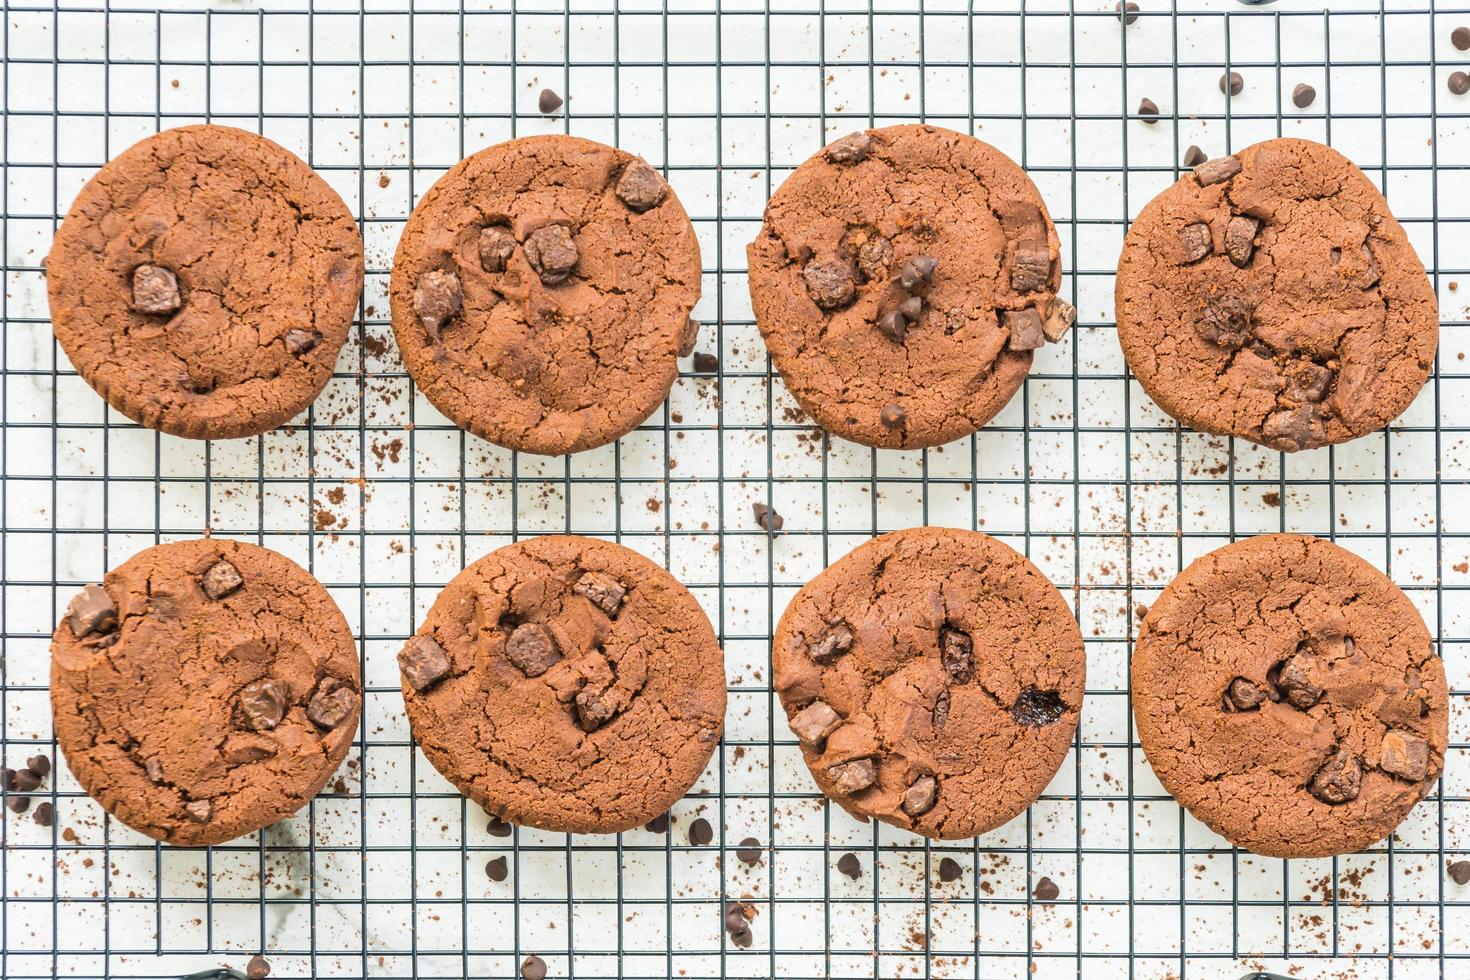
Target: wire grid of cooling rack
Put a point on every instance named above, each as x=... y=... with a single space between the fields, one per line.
x=384 y=500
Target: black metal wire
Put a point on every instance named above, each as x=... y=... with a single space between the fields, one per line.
x=1012 y=492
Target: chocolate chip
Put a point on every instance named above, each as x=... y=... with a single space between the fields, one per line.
x=45 y=814
x=1459 y=83
x=893 y=416
x=496 y=869
x=743 y=939
x=941 y=710
x=603 y=591
x=852 y=777
x=1303 y=95
x=552 y=253
x=1194 y=156
x=700 y=832
x=955 y=648
x=1242 y=695
x=893 y=325
x=497 y=245
x=917 y=271
x=1054 y=325
x=548 y=102
x=919 y=798
x=1149 y=110
x=1196 y=241
x=257 y=968
x=91 y=611
x=1216 y=171
x=532 y=649
x=874 y=257
x=40 y=765
x=1291 y=678
x=423 y=662
x=829 y=283
x=26 y=780
x=852 y=148
x=1127 y=12
x=950 y=870
x=239 y=749
x=263 y=704
x=737 y=925
x=221 y=579
x=706 y=363
x=301 y=341
x=331 y=707
x=1046 y=890
x=1025 y=328
x=658 y=825
x=1307 y=381
x=1225 y=320
x=534 y=968
x=833 y=645
x=1460 y=38
x=10 y=779
x=1036 y=708
x=1240 y=239
x=199 y=810
x=813 y=723
x=498 y=828
x=1459 y=872
x=749 y=851
x=1030 y=266
x=640 y=187
x=689 y=338
x=594 y=709
x=18 y=804
x=767 y=518
x=155 y=290
x=153 y=768
x=1339 y=779
x=1233 y=81
x=436 y=300
x=1289 y=429
x=1404 y=755
x=849 y=865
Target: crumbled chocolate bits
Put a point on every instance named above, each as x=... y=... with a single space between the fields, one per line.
x=1303 y=95
x=1231 y=82
x=301 y=341
x=263 y=704
x=91 y=611
x=1036 y=708
x=1054 y=325
x=436 y=300
x=1149 y=110
x=532 y=649
x=257 y=968
x=603 y=591
x=737 y=924
x=640 y=187
x=706 y=363
x=813 y=723
x=221 y=579
x=1030 y=266
x=850 y=866
x=919 y=798
x=955 y=648
x=155 y=290
x=498 y=828
x=874 y=257
x=1127 y=12
x=1193 y=156
x=1046 y=890
x=893 y=325
x=1459 y=83
x=658 y=825
x=749 y=851
x=497 y=245
x=832 y=646
x=700 y=832
x=1243 y=695
x=1459 y=872
x=829 y=283
x=1216 y=171
x=533 y=968
x=918 y=271
x=593 y=709
x=18 y=804
x=689 y=338
x=1225 y=320
x=1024 y=327
x=950 y=870
x=331 y=705
x=548 y=102
x=45 y=814
x=1196 y=241
x=1240 y=239
x=767 y=518
x=552 y=252
x=852 y=148
x=199 y=811
x=423 y=662
x=1292 y=680
x=1339 y=779
x=893 y=416
x=854 y=776
x=1308 y=381
x=1404 y=755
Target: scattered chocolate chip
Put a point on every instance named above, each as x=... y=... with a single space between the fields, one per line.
x=1225 y=320
x=640 y=187
x=594 y=709
x=1459 y=83
x=423 y=662
x=1291 y=678
x=1024 y=327
x=436 y=300
x=257 y=968
x=706 y=363
x=700 y=832
x=1240 y=239
x=91 y=611
x=1404 y=755
x=917 y=271
x=301 y=341
x=874 y=257
x=1339 y=779
x=893 y=416
x=955 y=648
x=1217 y=170
x=1307 y=381
x=1460 y=38
x=496 y=869
x=552 y=253
x=813 y=723
x=331 y=706
x=1149 y=110
x=689 y=338
x=1303 y=95
x=1054 y=325
x=1459 y=872
x=155 y=290
x=498 y=828
x=1196 y=241
x=10 y=780
x=737 y=924
x=1242 y=695
x=950 y=870
x=26 y=781
x=852 y=148
x=749 y=851
x=199 y=810
x=1046 y=890
x=221 y=579
x=532 y=649
x=1194 y=156
x=919 y=798
x=1127 y=12
x=829 y=283
x=852 y=777
x=850 y=866
x=767 y=518
x=40 y=765
x=45 y=814
x=534 y=968
x=263 y=704
x=658 y=825
x=1030 y=266
x=548 y=102
x=1233 y=81
x=18 y=804
x=911 y=308
x=1036 y=708
x=497 y=245
x=893 y=325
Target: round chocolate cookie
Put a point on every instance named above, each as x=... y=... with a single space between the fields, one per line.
x=205 y=690
x=902 y=280
x=204 y=281
x=1287 y=694
x=934 y=678
x=568 y=684
x=541 y=293
x=1271 y=295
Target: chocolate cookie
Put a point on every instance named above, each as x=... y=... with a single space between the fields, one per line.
x=204 y=281
x=1287 y=694
x=902 y=280
x=566 y=683
x=1271 y=295
x=205 y=690
x=541 y=293
x=934 y=679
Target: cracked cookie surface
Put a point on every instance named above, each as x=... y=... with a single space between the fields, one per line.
x=566 y=683
x=204 y=281
x=205 y=690
x=934 y=678
x=883 y=352
x=564 y=272
x=1271 y=295
x=1288 y=695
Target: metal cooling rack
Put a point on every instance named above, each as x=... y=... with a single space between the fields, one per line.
x=384 y=500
